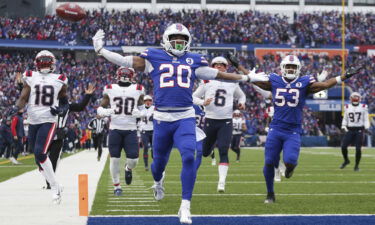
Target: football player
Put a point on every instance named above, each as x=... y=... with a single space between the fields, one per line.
x=218 y=119
x=289 y=93
x=239 y=126
x=120 y=102
x=354 y=123
x=173 y=70
x=42 y=90
x=147 y=128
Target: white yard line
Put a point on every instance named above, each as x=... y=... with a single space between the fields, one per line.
x=130 y=201
x=24 y=202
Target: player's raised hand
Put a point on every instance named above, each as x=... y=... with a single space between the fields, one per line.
x=352 y=71
x=257 y=77
x=232 y=59
x=90 y=89
x=322 y=76
x=97 y=40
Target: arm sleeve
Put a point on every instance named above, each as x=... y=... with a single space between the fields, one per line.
x=116 y=58
x=366 y=118
x=198 y=94
x=264 y=93
x=206 y=73
x=80 y=106
x=238 y=93
x=345 y=120
x=13 y=126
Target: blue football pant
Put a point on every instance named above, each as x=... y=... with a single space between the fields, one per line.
x=146 y=137
x=182 y=134
x=198 y=156
x=41 y=136
x=276 y=142
x=123 y=139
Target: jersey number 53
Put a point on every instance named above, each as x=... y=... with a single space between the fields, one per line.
x=280 y=99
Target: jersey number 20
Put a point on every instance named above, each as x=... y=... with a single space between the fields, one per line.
x=171 y=72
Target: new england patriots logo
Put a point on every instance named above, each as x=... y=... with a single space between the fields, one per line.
x=179 y=27
x=291 y=58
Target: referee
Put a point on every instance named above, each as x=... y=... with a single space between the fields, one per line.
x=97 y=126
x=61 y=129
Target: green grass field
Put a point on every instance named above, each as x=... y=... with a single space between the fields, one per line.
x=318 y=186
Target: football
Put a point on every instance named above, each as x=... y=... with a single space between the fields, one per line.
x=71 y=12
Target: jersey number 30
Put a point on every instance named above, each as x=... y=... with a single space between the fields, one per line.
x=280 y=98
x=180 y=74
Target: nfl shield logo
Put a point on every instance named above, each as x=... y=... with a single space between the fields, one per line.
x=299 y=84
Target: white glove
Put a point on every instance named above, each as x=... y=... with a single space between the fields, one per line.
x=322 y=76
x=267 y=129
x=136 y=113
x=105 y=112
x=344 y=128
x=97 y=40
x=257 y=77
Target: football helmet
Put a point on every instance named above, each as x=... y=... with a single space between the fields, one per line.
x=218 y=60
x=125 y=75
x=173 y=46
x=237 y=113
x=148 y=100
x=355 y=98
x=45 y=62
x=290 y=73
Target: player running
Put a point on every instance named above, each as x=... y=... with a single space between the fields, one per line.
x=239 y=126
x=42 y=89
x=147 y=128
x=173 y=70
x=354 y=123
x=120 y=102
x=219 y=114
x=289 y=92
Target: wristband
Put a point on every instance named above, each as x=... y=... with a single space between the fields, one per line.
x=338 y=79
x=245 y=78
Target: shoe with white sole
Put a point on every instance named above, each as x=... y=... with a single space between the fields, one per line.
x=221 y=187
x=277 y=177
x=158 y=189
x=56 y=196
x=184 y=215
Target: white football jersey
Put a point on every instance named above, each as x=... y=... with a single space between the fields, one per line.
x=223 y=95
x=356 y=116
x=123 y=100
x=45 y=89
x=237 y=125
x=146 y=122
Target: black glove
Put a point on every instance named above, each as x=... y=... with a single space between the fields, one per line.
x=232 y=59
x=58 y=111
x=352 y=71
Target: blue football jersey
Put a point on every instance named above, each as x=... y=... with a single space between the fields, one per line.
x=199 y=115
x=173 y=76
x=288 y=101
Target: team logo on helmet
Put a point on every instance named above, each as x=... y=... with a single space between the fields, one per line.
x=179 y=27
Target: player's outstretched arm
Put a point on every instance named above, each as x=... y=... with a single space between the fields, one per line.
x=24 y=98
x=319 y=86
x=135 y=62
x=103 y=109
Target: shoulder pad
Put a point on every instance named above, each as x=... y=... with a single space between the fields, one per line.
x=62 y=77
x=108 y=86
x=29 y=73
x=139 y=87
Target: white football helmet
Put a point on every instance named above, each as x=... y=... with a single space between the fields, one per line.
x=176 y=49
x=290 y=74
x=355 y=98
x=219 y=59
x=45 y=62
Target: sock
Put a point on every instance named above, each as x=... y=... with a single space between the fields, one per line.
x=48 y=173
x=269 y=174
x=185 y=204
x=115 y=170
x=145 y=159
x=223 y=171
x=358 y=155
x=131 y=163
x=344 y=152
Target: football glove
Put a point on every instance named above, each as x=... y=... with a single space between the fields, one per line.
x=352 y=71
x=322 y=76
x=105 y=112
x=232 y=59
x=97 y=40
x=58 y=111
x=257 y=77
x=344 y=129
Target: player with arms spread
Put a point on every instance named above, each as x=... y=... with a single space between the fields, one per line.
x=173 y=70
x=42 y=89
x=123 y=100
x=289 y=92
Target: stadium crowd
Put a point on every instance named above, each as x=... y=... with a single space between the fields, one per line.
x=145 y=28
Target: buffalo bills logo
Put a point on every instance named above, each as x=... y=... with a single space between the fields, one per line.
x=189 y=61
x=179 y=27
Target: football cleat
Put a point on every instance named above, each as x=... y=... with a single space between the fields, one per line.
x=289 y=172
x=146 y=168
x=56 y=196
x=344 y=164
x=277 y=175
x=356 y=169
x=184 y=215
x=221 y=187
x=128 y=176
x=117 y=192
x=213 y=162
x=270 y=198
x=158 y=189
